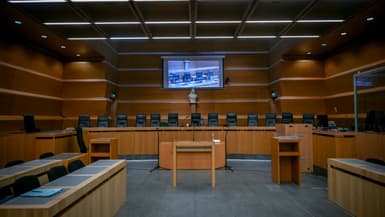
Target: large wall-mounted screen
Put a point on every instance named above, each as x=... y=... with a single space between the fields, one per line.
x=192 y=72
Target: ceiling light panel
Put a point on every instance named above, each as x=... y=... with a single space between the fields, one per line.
x=171 y=37
x=109 y=12
x=221 y=10
x=65 y=23
x=320 y=21
x=164 y=11
x=35 y=1
x=268 y=21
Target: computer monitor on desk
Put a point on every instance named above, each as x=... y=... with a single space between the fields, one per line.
x=29 y=124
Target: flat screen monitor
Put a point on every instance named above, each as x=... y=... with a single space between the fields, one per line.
x=186 y=72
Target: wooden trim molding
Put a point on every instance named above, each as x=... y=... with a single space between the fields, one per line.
x=199 y=102
x=20 y=68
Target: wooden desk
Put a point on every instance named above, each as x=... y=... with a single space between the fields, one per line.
x=193 y=147
x=67 y=158
x=56 y=141
x=285 y=162
x=357 y=186
x=190 y=160
x=97 y=190
x=103 y=148
x=145 y=140
x=35 y=167
x=329 y=144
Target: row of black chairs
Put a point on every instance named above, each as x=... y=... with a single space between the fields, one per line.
x=196 y=119
x=29 y=182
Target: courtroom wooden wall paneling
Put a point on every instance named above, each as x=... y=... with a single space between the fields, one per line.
x=84 y=70
x=300 y=106
x=76 y=107
x=248 y=76
x=84 y=89
x=301 y=68
x=142 y=77
x=19 y=80
x=312 y=88
x=364 y=53
x=18 y=105
x=19 y=55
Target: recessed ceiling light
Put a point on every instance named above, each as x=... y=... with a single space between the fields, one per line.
x=44 y=36
x=63 y=46
x=369 y=18
x=18 y=22
x=343 y=33
x=324 y=44
x=78 y=55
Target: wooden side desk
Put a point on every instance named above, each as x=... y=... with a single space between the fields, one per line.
x=285 y=159
x=103 y=148
x=56 y=141
x=97 y=190
x=35 y=167
x=67 y=158
x=193 y=147
x=357 y=186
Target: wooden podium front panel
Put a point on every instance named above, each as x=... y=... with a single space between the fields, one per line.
x=306 y=142
x=190 y=160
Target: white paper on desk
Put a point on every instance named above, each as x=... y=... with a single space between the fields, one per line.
x=42 y=192
x=216 y=141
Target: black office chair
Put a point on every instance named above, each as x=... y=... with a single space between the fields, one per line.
x=172 y=119
x=102 y=121
x=29 y=124
x=155 y=120
x=252 y=120
x=231 y=119
x=271 y=119
x=121 y=120
x=13 y=163
x=45 y=155
x=287 y=118
x=75 y=165
x=322 y=121
x=56 y=172
x=195 y=119
x=375 y=161
x=84 y=120
x=212 y=119
x=79 y=137
x=141 y=120
x=308 y=118
x=24 y=184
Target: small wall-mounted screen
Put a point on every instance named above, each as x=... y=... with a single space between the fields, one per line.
x=192 y=72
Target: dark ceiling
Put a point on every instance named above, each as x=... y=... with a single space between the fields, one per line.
x=201 y=22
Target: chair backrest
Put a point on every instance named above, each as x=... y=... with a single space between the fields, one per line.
x=46 y=154
x=271 y=119
x=252 y=120
x=56 y=172
x=155 y=120
x=172 y=119
x=29 y=124
x=195 y=119
x=231 y=119
x=75 y=165
x=287 y=117
x=141 y=120
x=212 y=119
x=79 y=137
x=322 y=121
x=84 y=120
x=24 y=184
x=121 y=120
x=308 y=118
x=13 y=163
x=102 y=121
